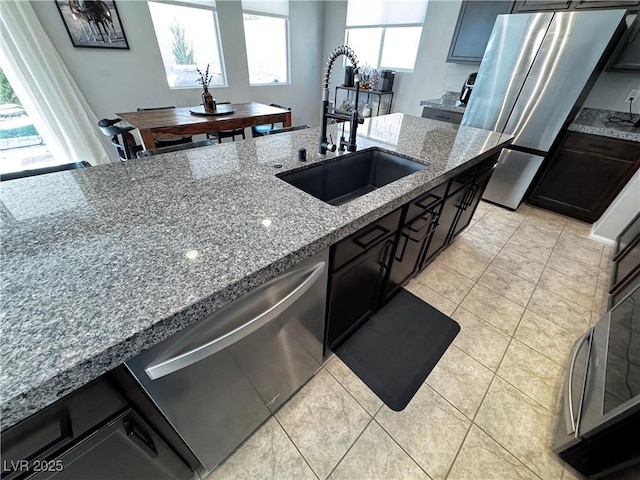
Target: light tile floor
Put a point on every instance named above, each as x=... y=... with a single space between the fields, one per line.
x=524 y=286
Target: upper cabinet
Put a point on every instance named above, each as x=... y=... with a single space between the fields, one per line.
x=627 y=54
x=473 y=29
x=476 y=19
x=526 y=6
x=540 y=5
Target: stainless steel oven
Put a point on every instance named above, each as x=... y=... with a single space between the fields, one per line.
x=599 y=426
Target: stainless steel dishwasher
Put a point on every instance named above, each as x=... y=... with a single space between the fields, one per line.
x=221 y=378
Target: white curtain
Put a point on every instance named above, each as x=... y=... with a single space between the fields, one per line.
x=45 y=87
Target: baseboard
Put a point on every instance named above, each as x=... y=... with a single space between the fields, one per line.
x=601 y=239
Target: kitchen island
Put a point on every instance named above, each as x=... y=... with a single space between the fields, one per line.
x=102 y=263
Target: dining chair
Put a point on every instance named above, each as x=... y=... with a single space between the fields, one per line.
x=220 y=134
x=260 y=130
x=173 y=148
x=166 y=142
x=41 y=171
x=287 y=129
x=121 y=138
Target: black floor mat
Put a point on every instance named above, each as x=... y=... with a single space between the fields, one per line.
x=396 y=349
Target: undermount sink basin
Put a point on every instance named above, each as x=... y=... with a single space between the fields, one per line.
x=341 y=180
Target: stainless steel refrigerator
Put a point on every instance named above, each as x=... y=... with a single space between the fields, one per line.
x=534 y=71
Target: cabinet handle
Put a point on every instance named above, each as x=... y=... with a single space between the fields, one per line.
x=474 y=190
x=436 y=198
x=404 y=246
x=364 y=242
x=138 y=436
x=600 y=146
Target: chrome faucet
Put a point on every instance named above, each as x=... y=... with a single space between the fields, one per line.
x=352 y=117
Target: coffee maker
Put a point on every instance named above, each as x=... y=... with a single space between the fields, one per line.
x=465 y=93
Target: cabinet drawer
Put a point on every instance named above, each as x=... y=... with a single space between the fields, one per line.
x=628 y=236
x=471 y=175
x=609 y=147
x=627 y=263
x=364 y=239
x=425 y=202
x=442 y=115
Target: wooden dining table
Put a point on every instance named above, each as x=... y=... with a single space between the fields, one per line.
x=181 y=122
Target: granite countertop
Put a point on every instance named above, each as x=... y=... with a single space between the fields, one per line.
x=447 y=102
x=596 y=122
x=104 y=262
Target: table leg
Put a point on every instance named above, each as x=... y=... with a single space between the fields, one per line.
x=148 y=140
x=287 y=119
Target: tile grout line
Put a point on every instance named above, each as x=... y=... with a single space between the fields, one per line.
x=495 y=374
x=350 y=447
x=294 y=444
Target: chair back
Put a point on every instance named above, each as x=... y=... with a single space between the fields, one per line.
x=41 y=171
x=287 y=129
x=121 y=138
x=175 y=148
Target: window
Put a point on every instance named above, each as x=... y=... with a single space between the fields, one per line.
x=266 y=33
x=188 y=38
x=21 y=146
x=385 y=33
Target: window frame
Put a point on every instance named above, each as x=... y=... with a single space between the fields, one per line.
x=384 y=27
x=287 y=47
x=216 y=23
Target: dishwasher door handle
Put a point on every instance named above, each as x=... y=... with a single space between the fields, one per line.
x=243 y=317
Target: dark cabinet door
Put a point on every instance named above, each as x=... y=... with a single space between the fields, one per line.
x=626 y=57
x=469 y=203
x=124 y=448
x=540 y=5
x=442 y=115
x=472 y=32
x=406 y=259
x=440 y=237
x=605 y=3
x=355 y=290
x=582 y=184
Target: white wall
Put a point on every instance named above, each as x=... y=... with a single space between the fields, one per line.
x=611 y=89
x=122 y=80
x=621 y=211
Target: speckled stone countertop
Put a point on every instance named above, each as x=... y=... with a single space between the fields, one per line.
x=596 y=122
x=101 y=263
x=447 y=102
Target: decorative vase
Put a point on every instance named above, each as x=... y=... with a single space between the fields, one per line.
x=207 y=101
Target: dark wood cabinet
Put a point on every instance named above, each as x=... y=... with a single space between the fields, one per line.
x=442 y=115
x=473 y=29
x=90 y=433
x=355 y=289
x=370 y=266
x=409 y=249
x=626 y=262
x=626 y=57
x=585 y=174
x=527 y=6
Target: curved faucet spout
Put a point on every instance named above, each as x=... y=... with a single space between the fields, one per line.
x=353 y=119
x=341 y=50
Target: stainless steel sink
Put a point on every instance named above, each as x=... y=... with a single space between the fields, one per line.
x=339 y=181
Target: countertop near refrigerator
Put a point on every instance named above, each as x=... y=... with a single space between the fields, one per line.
x=102 y=263
x=446 y=102
x=596 y=122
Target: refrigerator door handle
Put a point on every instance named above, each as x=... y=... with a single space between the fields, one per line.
x=288 y=297
x=568 y=396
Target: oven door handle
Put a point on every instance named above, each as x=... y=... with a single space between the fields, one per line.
x=569 y=380
x=285 y=290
